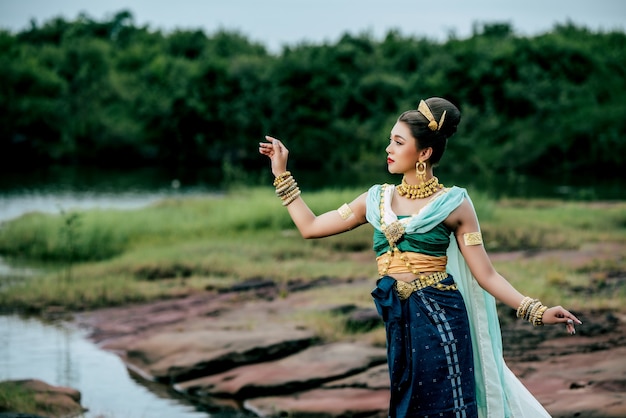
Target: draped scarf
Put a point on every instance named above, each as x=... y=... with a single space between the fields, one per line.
x=499 y=393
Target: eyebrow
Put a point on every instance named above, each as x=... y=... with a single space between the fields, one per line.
x=397 y=136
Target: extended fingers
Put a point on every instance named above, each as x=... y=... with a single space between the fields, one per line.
x=566 y=317
x=271 y=141
x=276 y=144
x=268 y=148
x=271 y=144
x=276 y=152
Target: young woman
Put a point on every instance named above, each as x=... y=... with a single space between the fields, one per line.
x=437 y=285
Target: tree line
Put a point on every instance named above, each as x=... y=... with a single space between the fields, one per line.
x=112 y=93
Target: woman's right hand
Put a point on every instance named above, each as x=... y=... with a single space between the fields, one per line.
x=277 y=153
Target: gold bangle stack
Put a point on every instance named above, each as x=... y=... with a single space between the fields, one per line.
x=286 y=188
x=531 y=310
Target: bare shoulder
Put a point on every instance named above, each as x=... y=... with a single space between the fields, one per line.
x=463 y=216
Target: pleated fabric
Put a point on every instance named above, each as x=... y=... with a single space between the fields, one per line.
x=429 y=351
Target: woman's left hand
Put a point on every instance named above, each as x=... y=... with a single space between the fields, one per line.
x=560 y=315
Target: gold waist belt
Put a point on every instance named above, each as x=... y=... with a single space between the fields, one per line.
x=397 y=261
x=405 y=289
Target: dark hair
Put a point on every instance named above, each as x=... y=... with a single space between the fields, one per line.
x=425 y=137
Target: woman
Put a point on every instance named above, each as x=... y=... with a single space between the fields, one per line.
x=437 y=285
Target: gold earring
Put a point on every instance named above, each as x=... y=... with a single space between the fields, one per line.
x=420 y=171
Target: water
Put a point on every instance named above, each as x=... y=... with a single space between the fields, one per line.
x=61 y=355
x=21 y=202
x=71 y=189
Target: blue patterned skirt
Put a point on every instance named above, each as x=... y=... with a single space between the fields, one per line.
x=429 y=351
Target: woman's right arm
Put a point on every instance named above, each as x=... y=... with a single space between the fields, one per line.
x=329 y=223
x=309 y=224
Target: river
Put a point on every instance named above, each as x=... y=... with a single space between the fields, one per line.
x=61 y=354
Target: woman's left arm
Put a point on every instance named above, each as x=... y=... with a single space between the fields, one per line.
x=464 y=223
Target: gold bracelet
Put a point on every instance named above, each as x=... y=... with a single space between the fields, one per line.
x=281 y=177
x=531 y=310
x=523 y=306
x=533 y=313
x=286 y=187
x=291 y=199
x=532 y=306
x=287 y=195
x=538 y=321
x=285 y=184
x=519 y=311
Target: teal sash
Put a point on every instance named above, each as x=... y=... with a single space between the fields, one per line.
x=499 y=392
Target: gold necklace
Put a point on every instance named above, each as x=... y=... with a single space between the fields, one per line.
x=419 y=191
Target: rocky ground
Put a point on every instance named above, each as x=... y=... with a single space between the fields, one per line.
x=244 y=349
x=50 y=401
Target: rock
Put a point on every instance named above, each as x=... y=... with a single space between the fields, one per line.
x=50 y=401
x=363 y=320
x=197 y=350
x=304 y=370
x=324 y=403
x=373 y=378
x=252 y=351
x=578 y=384
x=18 y=415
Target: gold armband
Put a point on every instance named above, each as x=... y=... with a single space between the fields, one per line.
x=344 y=211
x=473 y=238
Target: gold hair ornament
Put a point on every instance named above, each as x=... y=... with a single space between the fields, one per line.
x=432 y=123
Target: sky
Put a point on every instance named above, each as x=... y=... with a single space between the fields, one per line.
x=276 y=23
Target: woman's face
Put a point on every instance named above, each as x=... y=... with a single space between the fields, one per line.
x=402 y=154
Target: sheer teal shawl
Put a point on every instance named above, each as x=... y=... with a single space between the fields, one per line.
x=498 y=391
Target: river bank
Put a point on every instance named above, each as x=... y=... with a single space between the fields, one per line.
x=56 y=351
x=222 y=303
x=244 y=348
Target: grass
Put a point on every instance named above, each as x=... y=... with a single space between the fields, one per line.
x=100 y=258
x=17 y=397
x=14 y=397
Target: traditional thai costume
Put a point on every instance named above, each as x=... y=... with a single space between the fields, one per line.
x=443 y=335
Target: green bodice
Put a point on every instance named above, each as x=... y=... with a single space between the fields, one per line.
x=433 y=242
